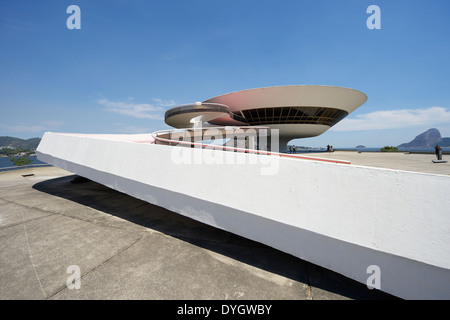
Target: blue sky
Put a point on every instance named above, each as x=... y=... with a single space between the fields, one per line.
x=132 y=60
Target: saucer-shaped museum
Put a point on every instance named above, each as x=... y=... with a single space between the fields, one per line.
x=298 y=111
x=388 y=229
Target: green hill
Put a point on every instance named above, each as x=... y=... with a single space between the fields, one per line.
x=17 y=143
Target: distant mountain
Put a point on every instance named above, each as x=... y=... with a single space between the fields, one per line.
x=445 y=142
x=19 y=143
x=427 y=139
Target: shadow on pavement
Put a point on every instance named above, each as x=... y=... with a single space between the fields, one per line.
x=112 y=202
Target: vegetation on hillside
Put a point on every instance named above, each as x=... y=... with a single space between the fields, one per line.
x=388 y=149
x=18 y=150
x=20 y=161
x=17 y=143
x=12 y=152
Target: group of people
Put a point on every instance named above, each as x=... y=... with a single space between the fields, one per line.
x=330 y=148
x=292 y=149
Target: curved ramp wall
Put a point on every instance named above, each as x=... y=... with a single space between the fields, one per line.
x=342 y=217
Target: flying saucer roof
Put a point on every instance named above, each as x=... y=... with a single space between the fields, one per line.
x=307 y=104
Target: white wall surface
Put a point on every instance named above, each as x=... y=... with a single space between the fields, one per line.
x=342 y=217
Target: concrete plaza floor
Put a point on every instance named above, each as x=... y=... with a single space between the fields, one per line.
x=390 y=160
x=125 y=248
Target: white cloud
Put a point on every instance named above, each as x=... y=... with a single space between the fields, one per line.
x=393 y=119
x=123 y=128
x=164 y=103
x=22 y=128
x=138 y=110
x=25 y=127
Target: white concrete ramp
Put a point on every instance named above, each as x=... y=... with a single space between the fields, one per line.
x=387 y=228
